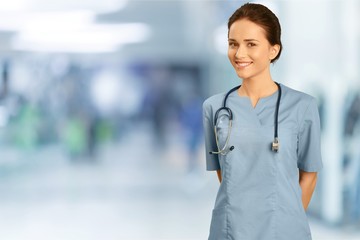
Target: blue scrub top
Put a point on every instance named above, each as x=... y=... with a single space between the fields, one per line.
x=259 y=197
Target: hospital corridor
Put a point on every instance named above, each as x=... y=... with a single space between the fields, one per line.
x=101 y=114
x=129 y=195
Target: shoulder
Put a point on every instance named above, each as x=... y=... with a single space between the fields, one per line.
x=214 y=100
x=297 y=97
x=302 y=105
x=212 y=103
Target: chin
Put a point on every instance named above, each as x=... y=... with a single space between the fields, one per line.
x=242 y=75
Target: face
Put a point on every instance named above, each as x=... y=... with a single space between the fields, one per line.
x=249 y=51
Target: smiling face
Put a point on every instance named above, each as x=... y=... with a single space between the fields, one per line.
x=249 y=50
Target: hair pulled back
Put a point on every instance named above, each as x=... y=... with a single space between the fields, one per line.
x=262 y=16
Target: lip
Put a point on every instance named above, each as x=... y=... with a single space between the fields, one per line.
x=243 y=64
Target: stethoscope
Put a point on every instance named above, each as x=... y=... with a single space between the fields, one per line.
x=223 y=151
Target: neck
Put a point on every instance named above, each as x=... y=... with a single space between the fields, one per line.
x=256 y=90
x=258 y=87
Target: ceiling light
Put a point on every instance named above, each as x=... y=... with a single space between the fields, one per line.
x=63 y=5
x=88 y=38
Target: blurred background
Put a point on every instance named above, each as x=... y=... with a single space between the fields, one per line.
x=100 y=114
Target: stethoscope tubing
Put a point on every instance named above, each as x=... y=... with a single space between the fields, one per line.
x=275 y=144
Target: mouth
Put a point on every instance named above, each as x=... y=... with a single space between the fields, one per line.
x=242 y=64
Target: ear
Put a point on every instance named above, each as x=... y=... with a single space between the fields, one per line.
x=274 y=51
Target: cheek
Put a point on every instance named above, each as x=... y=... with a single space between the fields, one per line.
x=261 y=55
x=231 y=53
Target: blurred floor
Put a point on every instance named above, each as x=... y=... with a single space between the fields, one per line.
x=133 y=193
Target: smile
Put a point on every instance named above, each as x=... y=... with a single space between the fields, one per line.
x=242 y=64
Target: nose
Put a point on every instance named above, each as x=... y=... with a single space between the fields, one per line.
x=240 y=52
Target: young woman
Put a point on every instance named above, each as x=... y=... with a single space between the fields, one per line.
x=262 y=138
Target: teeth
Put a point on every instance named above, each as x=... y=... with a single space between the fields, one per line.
x=243 y=64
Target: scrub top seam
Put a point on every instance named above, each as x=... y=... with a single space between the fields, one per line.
x=300 y=123
x=226 y=177
x=300 y=126
x=275 y=199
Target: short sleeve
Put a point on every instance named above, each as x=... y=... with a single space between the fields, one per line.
x=309 y=140
x=212 y=160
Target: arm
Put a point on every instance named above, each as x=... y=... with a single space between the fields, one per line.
x=212 y=160
x=219 y=175
x=307 y=183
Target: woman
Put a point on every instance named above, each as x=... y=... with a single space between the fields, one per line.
x=268 y=156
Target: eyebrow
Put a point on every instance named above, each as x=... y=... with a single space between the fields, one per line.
x=245 y=40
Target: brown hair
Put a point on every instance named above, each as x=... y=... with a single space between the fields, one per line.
x=262 y=16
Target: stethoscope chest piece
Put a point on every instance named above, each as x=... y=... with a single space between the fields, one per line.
x=275 y=145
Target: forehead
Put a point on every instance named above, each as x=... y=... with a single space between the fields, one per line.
x=245 y=29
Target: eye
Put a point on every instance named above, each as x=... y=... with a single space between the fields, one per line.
x=250 y=44
x=232 y=44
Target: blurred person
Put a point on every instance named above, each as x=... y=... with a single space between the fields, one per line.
x=351 y=161
x=191 y=121
x=158 y=104
x=4 y=85
x=262 y=138
x=81 y=116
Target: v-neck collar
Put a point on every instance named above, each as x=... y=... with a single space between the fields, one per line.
x=260 y=102
x=260 y=107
